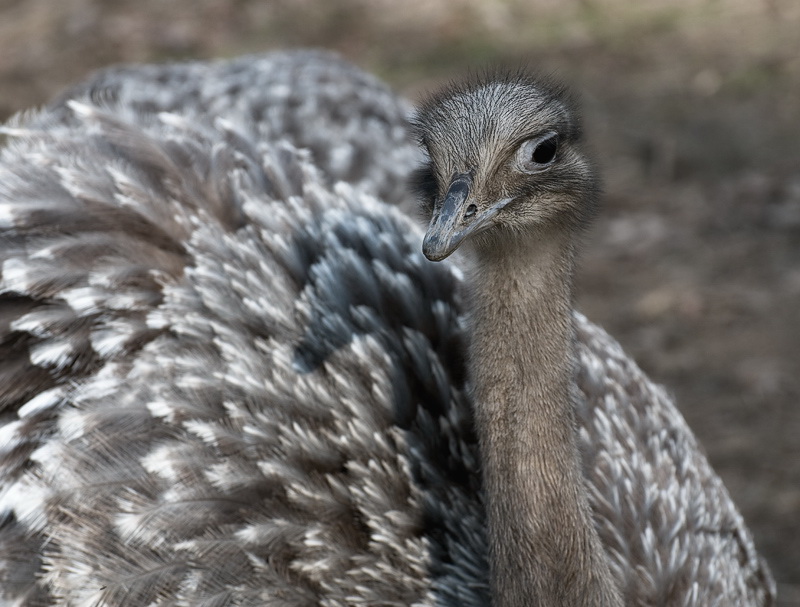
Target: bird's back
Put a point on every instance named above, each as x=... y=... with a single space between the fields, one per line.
x=225 y=381
x=351 y=122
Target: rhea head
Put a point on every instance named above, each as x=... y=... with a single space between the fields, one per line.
x=505 y=162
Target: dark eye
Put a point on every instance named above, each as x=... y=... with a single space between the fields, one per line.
x=538 y=153
x=545 y=151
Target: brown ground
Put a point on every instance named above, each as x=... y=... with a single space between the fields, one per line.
x=693 y=108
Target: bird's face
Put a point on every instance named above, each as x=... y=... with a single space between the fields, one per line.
x=505 y=161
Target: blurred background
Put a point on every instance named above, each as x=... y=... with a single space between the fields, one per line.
x=693 y=110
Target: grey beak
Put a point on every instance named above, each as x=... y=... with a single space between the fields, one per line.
x=443 y=236
x=456 y=218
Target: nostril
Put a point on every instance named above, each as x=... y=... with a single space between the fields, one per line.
x=470 y=211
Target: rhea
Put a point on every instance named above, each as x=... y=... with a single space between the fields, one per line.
x=511 y=182
x=229 y=376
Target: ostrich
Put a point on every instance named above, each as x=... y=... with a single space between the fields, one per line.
x=232 y=378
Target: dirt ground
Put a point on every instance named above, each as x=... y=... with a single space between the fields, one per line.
x=693 y=109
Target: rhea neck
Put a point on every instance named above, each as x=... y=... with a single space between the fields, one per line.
x=544 y=549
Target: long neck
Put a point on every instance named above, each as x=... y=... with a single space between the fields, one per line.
x=544 y=549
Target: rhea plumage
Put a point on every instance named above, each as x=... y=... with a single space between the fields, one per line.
x=230 y=377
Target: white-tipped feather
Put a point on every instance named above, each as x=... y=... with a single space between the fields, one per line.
x=6 y=217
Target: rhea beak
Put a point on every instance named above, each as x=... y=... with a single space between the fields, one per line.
x=455 y=218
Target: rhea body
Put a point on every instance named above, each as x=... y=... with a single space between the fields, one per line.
x=510 y=180
x=229 y=376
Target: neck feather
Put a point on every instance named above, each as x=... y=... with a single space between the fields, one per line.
x=544 y=549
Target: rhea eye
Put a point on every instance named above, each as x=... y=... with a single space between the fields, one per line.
x=538 y=153
x=545 y=151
